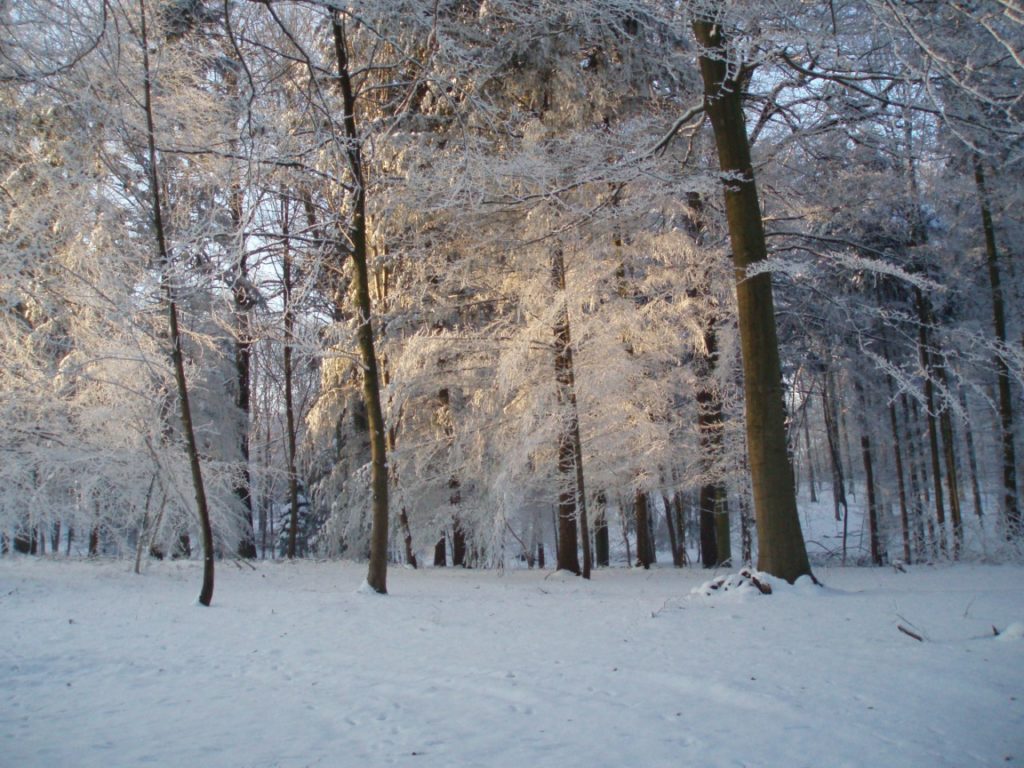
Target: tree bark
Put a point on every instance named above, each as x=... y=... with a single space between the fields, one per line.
x=781 y=549
x=877 y=556
x=972 y=457
x=206 y=531
x=377 y=571
x=1011 y=503
x=602 y=546
x=643 y=531
x=289 y=402
x=924 y=351
x=571 y=497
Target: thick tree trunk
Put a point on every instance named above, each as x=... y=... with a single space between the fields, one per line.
x=723 y=535
x=571 y=497
x=1011 y=503
x=377 y=571
x=206 y=530
x=441 y=553
x=781 y=549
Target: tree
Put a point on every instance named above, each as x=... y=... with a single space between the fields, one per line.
x=781 y=549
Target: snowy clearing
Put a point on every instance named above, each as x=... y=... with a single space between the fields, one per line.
x=292 y=667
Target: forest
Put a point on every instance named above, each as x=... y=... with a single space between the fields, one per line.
x=506 y=284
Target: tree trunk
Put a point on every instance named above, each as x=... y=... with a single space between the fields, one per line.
x=571 y=498
x=924 y=350
x=677 y=557
x=781 y=549
x=877 y=556
x=832 y=437
x=377 y=571
x=972 y=458
x=1011 y=503
x=601 y=544
x=919 y=483
x=708 y=541
x=206 y=531
x=289 y=402
x=441 y=553
x=811 y=481
x=901 y=485
x=723 y=536
x=643 y=531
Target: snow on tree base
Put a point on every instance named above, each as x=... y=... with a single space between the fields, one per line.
x=746 y=581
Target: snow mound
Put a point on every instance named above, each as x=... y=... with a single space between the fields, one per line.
x=746 y=582
x=1013 y=632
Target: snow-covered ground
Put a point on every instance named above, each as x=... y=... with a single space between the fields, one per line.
x=293 y=667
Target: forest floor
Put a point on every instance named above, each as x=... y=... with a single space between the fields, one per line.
x=294 y=667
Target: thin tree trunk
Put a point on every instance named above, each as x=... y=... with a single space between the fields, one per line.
x=206 y=530
x=1011 y=502
x=377 y=571
x=919 y=483
x=677 y=556
x=811 y=482
x=901 y=485
x=723 y=537
x=972 y=458
x=924 y=350
x=708 y=541
x=601 y=544
x=289 y=388
x=869 y=480
x=832 y=437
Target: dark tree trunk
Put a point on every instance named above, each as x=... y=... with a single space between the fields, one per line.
x=206 y=530
x=289 y=387
x=679 y=511
x=877 y=556
x=781 y=549
x=832 y=437
x=571 y=496
x=677 y=555
x=458 y=546
x=723 y=536
x=1011 y=503
x=377 y=571
x=643 y=531
x=441 y=553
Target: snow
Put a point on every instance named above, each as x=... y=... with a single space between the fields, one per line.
x=294 y=666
